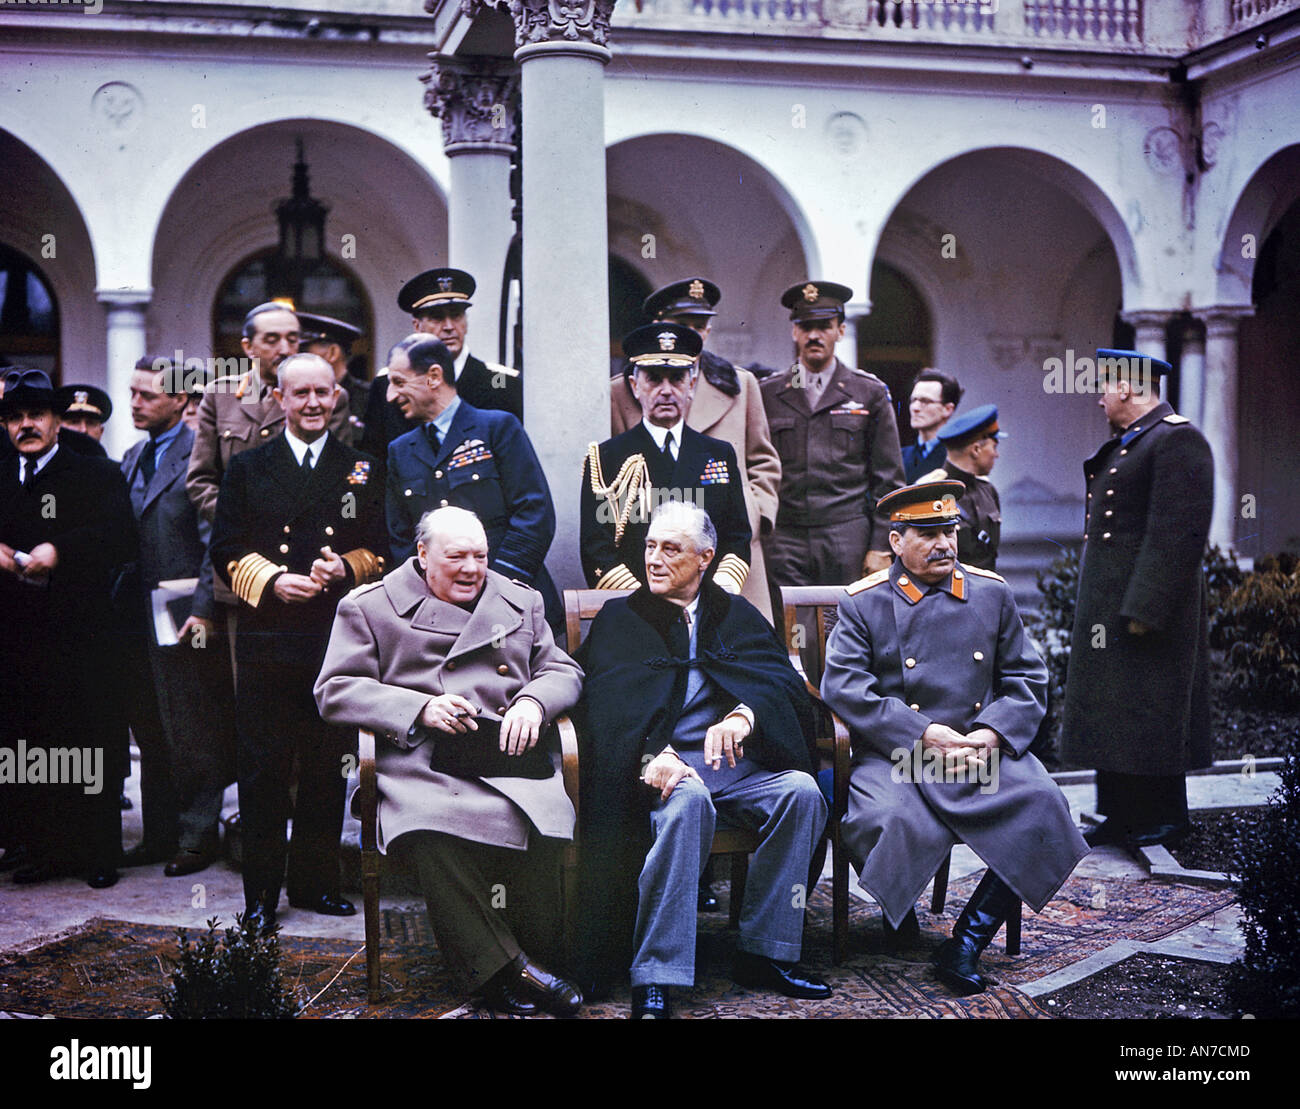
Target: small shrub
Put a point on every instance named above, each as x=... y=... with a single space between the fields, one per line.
x=235 y=975
x=1268 y=888
x=1258 y=626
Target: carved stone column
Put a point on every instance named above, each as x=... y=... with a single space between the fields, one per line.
x=1191 y=374
x=562 y=56
x=476 y=100
x=846 y=350
x=1219 y=415
x=1150 y=337
x=126 y=342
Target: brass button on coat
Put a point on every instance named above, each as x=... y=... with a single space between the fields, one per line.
x=503 y=669
x=329 y=530
x=909 y=663
x=978 y=656
x=284 y=548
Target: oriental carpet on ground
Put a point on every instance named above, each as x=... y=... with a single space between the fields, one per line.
x=110 y=968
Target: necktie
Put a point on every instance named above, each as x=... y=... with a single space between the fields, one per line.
x=669 y=453
x=29 y=474
x=306 y=461
x=435 y=440
x=149 y=460
x=815 y=389
x=694 y=679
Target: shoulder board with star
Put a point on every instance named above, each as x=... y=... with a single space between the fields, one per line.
x=1174 y=418
x=871 y=377
x=497 y=368
x=223 y=384
x=869 y=582
x=983 y=573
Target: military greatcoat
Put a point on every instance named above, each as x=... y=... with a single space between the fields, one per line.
x=394 y=646
x=903 y=656
x=1139 y=704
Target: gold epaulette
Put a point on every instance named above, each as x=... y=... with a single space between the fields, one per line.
x=366 y=566
x=983 y=573
x=731 y=573
x=1174 y=418
x=250 y=575
x=866 y=583
x=617 y=576
x=934 y=475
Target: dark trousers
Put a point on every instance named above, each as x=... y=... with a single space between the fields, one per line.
x=1142 y=800
x=480 y=897
x=277 y=722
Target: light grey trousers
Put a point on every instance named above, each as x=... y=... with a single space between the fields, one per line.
x=786 y=809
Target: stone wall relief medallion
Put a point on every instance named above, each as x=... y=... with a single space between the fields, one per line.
x=847 y=134
x=1212 y=136
x=1163 y=150
x=120 y=106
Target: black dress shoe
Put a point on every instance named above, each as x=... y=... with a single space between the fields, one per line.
x=552 y=993
x=503 y=993
x=188 y=862
x=761 y=973
x=708 y=900
x=651 y=1003
x=143 y=854
x=39 y=870
x=327 y=904
x=1107 y=832
x=1166 y=834
x=15 y=857
x=101 y=878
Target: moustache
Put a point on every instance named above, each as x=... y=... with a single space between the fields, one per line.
x=28 y=435
x=938 y=556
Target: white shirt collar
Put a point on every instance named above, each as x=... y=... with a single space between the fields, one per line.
x=659 y=434
x=41 y=462
x=300 y=448
x=460 y=360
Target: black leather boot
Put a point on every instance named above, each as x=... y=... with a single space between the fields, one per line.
x=956 y=961
x=907 y=934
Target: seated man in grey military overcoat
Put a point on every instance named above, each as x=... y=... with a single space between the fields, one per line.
x=441 y=649
x=930 y=668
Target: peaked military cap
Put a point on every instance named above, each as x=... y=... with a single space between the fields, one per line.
x=693 y=297
x=436 y=289
x=924 y=505
x=324 y=329
x=27 y=387
x=1134 y=364
x=661 y=346
x=84 y=400
x=816 y=300
x=969 y=426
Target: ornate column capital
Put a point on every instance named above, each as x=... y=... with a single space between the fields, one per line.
x=552 y=21
x=476 y=101
x=1222 y=320
x=1149 y=317
x=124 y=298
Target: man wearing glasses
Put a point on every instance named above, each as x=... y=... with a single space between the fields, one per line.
x=934 y=397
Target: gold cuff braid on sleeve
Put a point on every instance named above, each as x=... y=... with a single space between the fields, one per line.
x=617 y=576
x=366 y=566
x=731 y=573
x=250 y=576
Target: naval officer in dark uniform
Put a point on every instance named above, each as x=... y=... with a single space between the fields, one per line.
x=970 y=443
x=299 y=522
x=930 y=668
x=332 y=339
x=835 y=431
x=624 y=479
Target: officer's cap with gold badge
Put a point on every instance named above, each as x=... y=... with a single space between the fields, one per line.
x=662 y=347
x=83 y=400
x=693 y=297
x=441 y=288
x=926 y=504
x=816 y=300
x=325 y=329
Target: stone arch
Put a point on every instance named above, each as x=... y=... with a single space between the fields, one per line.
x=216 y=216
x=750 y=236
x=1268 y=194
x=41 y=220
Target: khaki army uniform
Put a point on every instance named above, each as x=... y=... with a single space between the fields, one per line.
x=838 y=459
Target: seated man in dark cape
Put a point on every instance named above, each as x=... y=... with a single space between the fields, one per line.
x=692 y=714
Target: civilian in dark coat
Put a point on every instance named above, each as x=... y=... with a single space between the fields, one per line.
x=1137 y=703
x=291 y=537
x=66 y=532
x=637 y=665
x=182 y=701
